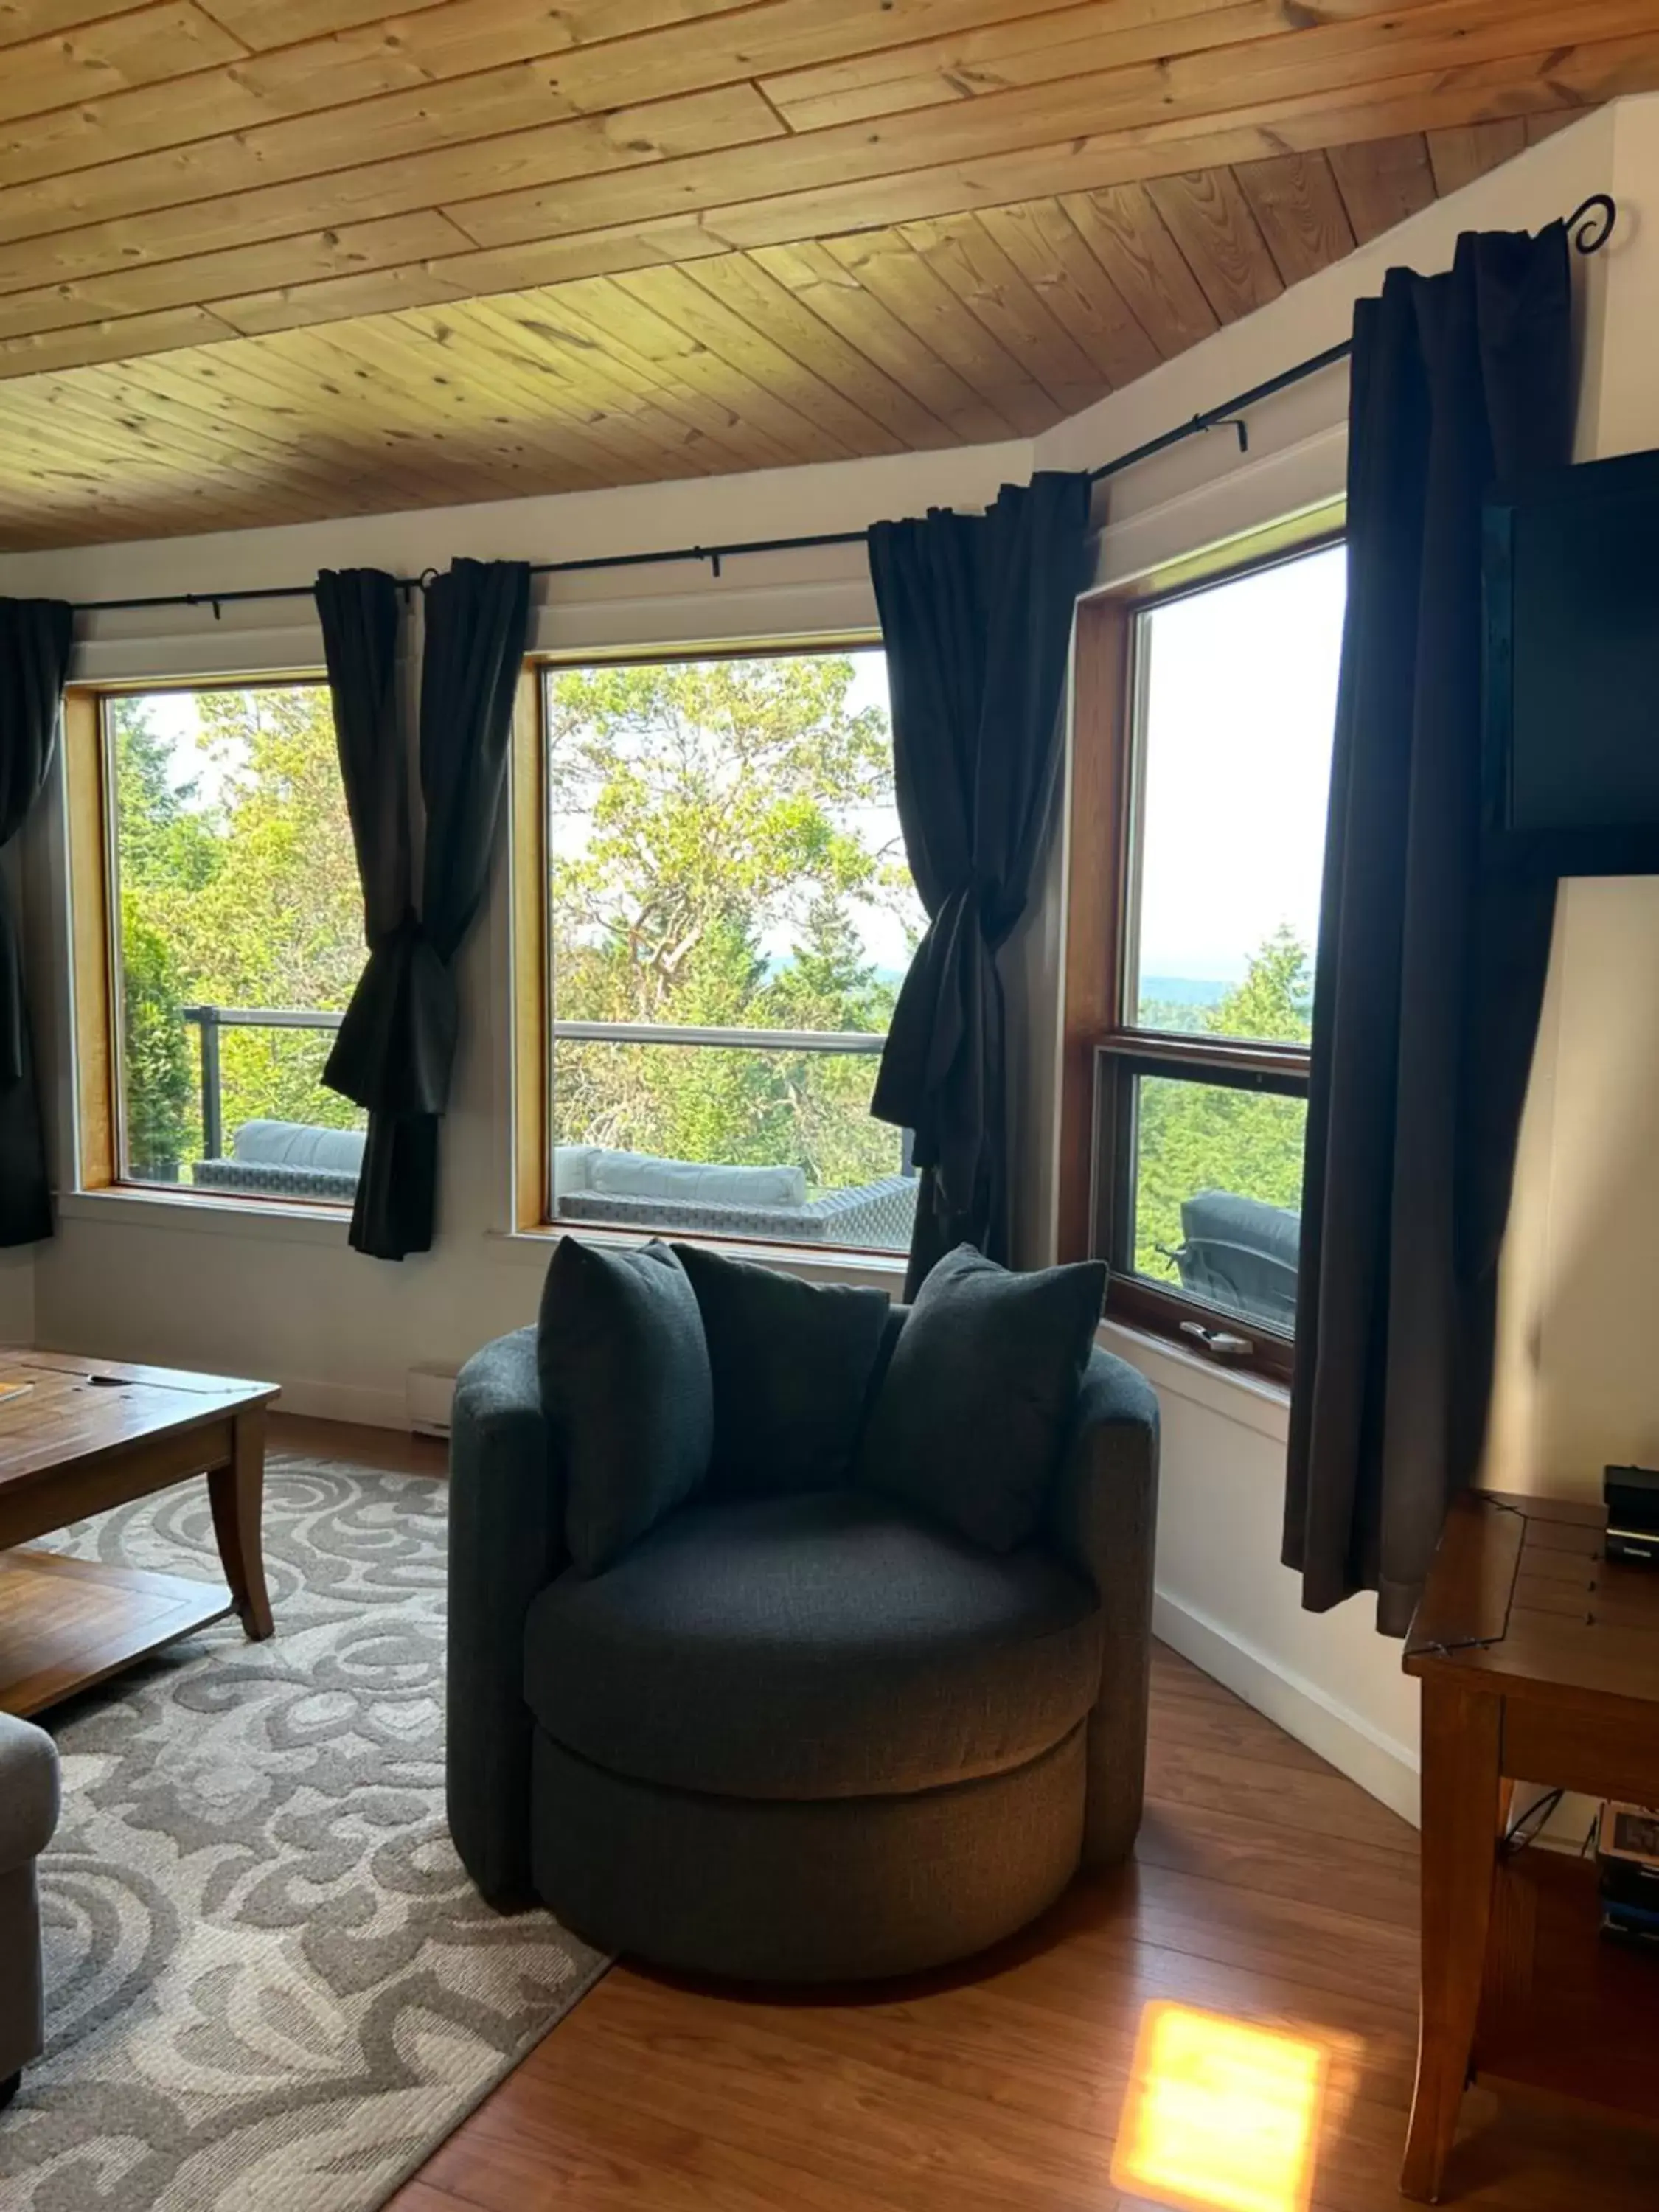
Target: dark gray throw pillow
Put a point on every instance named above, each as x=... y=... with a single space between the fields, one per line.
x=792 y=1363
x=626 y=1390
x=980 y=1393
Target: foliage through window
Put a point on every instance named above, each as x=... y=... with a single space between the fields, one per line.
x=239 y=928
x=730 y=918
x=1202 y=1088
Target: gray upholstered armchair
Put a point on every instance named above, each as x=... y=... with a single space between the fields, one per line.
x=811 y=1737
x=28 y=1813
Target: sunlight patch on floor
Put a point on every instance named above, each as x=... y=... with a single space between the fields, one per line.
x=1221 y=2116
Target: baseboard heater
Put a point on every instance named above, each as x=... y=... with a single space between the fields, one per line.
x=428 y=1394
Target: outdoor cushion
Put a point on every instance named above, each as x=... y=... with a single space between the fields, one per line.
x=792 y=1363
x=300 y=1144
x=625 y=1387
x=637 y=1174
x=828 y=1644
x=980 y=1392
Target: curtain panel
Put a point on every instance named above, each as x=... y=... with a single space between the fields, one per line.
x=1430 y=972
x=396 y=1049
x=35 y=637
x=976 y=621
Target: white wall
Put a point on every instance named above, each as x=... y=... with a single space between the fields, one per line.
x=284 y=1297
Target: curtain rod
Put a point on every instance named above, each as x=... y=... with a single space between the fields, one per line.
x=1589 y=227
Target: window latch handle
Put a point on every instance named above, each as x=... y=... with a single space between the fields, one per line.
x=1220 y=1343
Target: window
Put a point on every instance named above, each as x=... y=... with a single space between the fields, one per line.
x=1211 y=761
x=728 y=919
x=235 y=928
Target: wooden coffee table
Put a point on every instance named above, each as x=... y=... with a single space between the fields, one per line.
x=93 y=1433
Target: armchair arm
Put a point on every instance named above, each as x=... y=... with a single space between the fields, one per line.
x=28 y=1792
x=1103 y=1519
x=506 y=1544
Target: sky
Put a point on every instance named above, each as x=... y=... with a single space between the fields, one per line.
x=1241 y=704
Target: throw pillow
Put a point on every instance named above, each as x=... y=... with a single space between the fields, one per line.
x=626 y=1389
x=792 y=1363
x=980 y=1392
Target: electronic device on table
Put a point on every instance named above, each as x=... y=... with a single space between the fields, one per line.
x=1627 y=1858
x=1633 y=1496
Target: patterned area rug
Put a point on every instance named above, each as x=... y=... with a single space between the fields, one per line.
x=270 y=1987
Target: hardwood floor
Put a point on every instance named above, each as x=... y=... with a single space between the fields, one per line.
x=1265 y=1889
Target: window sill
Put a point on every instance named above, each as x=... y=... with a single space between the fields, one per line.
x=812 y=1263
x=1254 y=1402
x=202 y=1214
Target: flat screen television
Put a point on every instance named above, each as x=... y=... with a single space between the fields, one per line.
x=1571 y=678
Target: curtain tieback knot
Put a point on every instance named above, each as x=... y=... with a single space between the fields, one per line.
x=396 y=1046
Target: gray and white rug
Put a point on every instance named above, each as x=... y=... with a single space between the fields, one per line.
x=271 y=1986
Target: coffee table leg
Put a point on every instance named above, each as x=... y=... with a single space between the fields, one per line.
x=236 y=1493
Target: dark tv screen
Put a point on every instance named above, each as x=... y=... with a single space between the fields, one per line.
x=1572 y=671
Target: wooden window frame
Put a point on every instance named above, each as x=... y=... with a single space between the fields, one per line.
x=533 y=1204
x=1105 y=1053
x=95 y=948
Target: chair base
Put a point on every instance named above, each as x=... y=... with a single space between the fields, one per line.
x=779 y=1890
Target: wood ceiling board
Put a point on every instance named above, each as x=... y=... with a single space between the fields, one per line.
x=396 y=240
x=834 y=294
x=111 y=55
x=586 y=148
x=1122 y=228
x=634 y=440
x=1087 y=163
x=128 y=338
x=884 y=263
x=385 y=425
x=1258 y=81
x=1383 y=183
x=23 y=21
x=1299 y=211
x=994 y=57
x=721 y=401
x=504 y=361
x=1458 y=157
x=260 y=23
x=840 y=427
x=1041 y=239
x=660 y=339
x=742 y=285
x=460 y=40
x=1207 y=214
x=307 y=442
x=964 y=256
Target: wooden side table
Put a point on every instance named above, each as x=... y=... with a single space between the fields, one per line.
x=1538 y=1659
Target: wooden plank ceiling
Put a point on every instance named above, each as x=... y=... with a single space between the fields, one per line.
x=263 y=260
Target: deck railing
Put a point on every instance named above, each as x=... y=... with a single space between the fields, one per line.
x=210 y=1021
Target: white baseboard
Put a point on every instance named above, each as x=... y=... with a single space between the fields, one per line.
x=1378 y=1763
x=342 y=1401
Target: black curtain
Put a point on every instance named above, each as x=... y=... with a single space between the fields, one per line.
x=977 y=620
x=1431 y=969
x=35 y=637
x=396 y=1045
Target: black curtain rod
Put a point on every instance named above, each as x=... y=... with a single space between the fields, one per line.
x=1589 y=227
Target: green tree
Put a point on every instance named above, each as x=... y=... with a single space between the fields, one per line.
x=248 y=898
x=702 y=808
x=168 y=851
x=1194 y=1137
